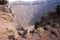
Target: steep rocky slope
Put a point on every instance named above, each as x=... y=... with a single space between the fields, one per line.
x=32 y=11
x=51 y=24
x=47 y=28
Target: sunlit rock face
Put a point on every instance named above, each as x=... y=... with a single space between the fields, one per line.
x=27 y=13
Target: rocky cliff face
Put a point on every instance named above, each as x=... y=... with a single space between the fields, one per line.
x=51 y=24
x=10 y=31
x=29 y=13
x=47 y=28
